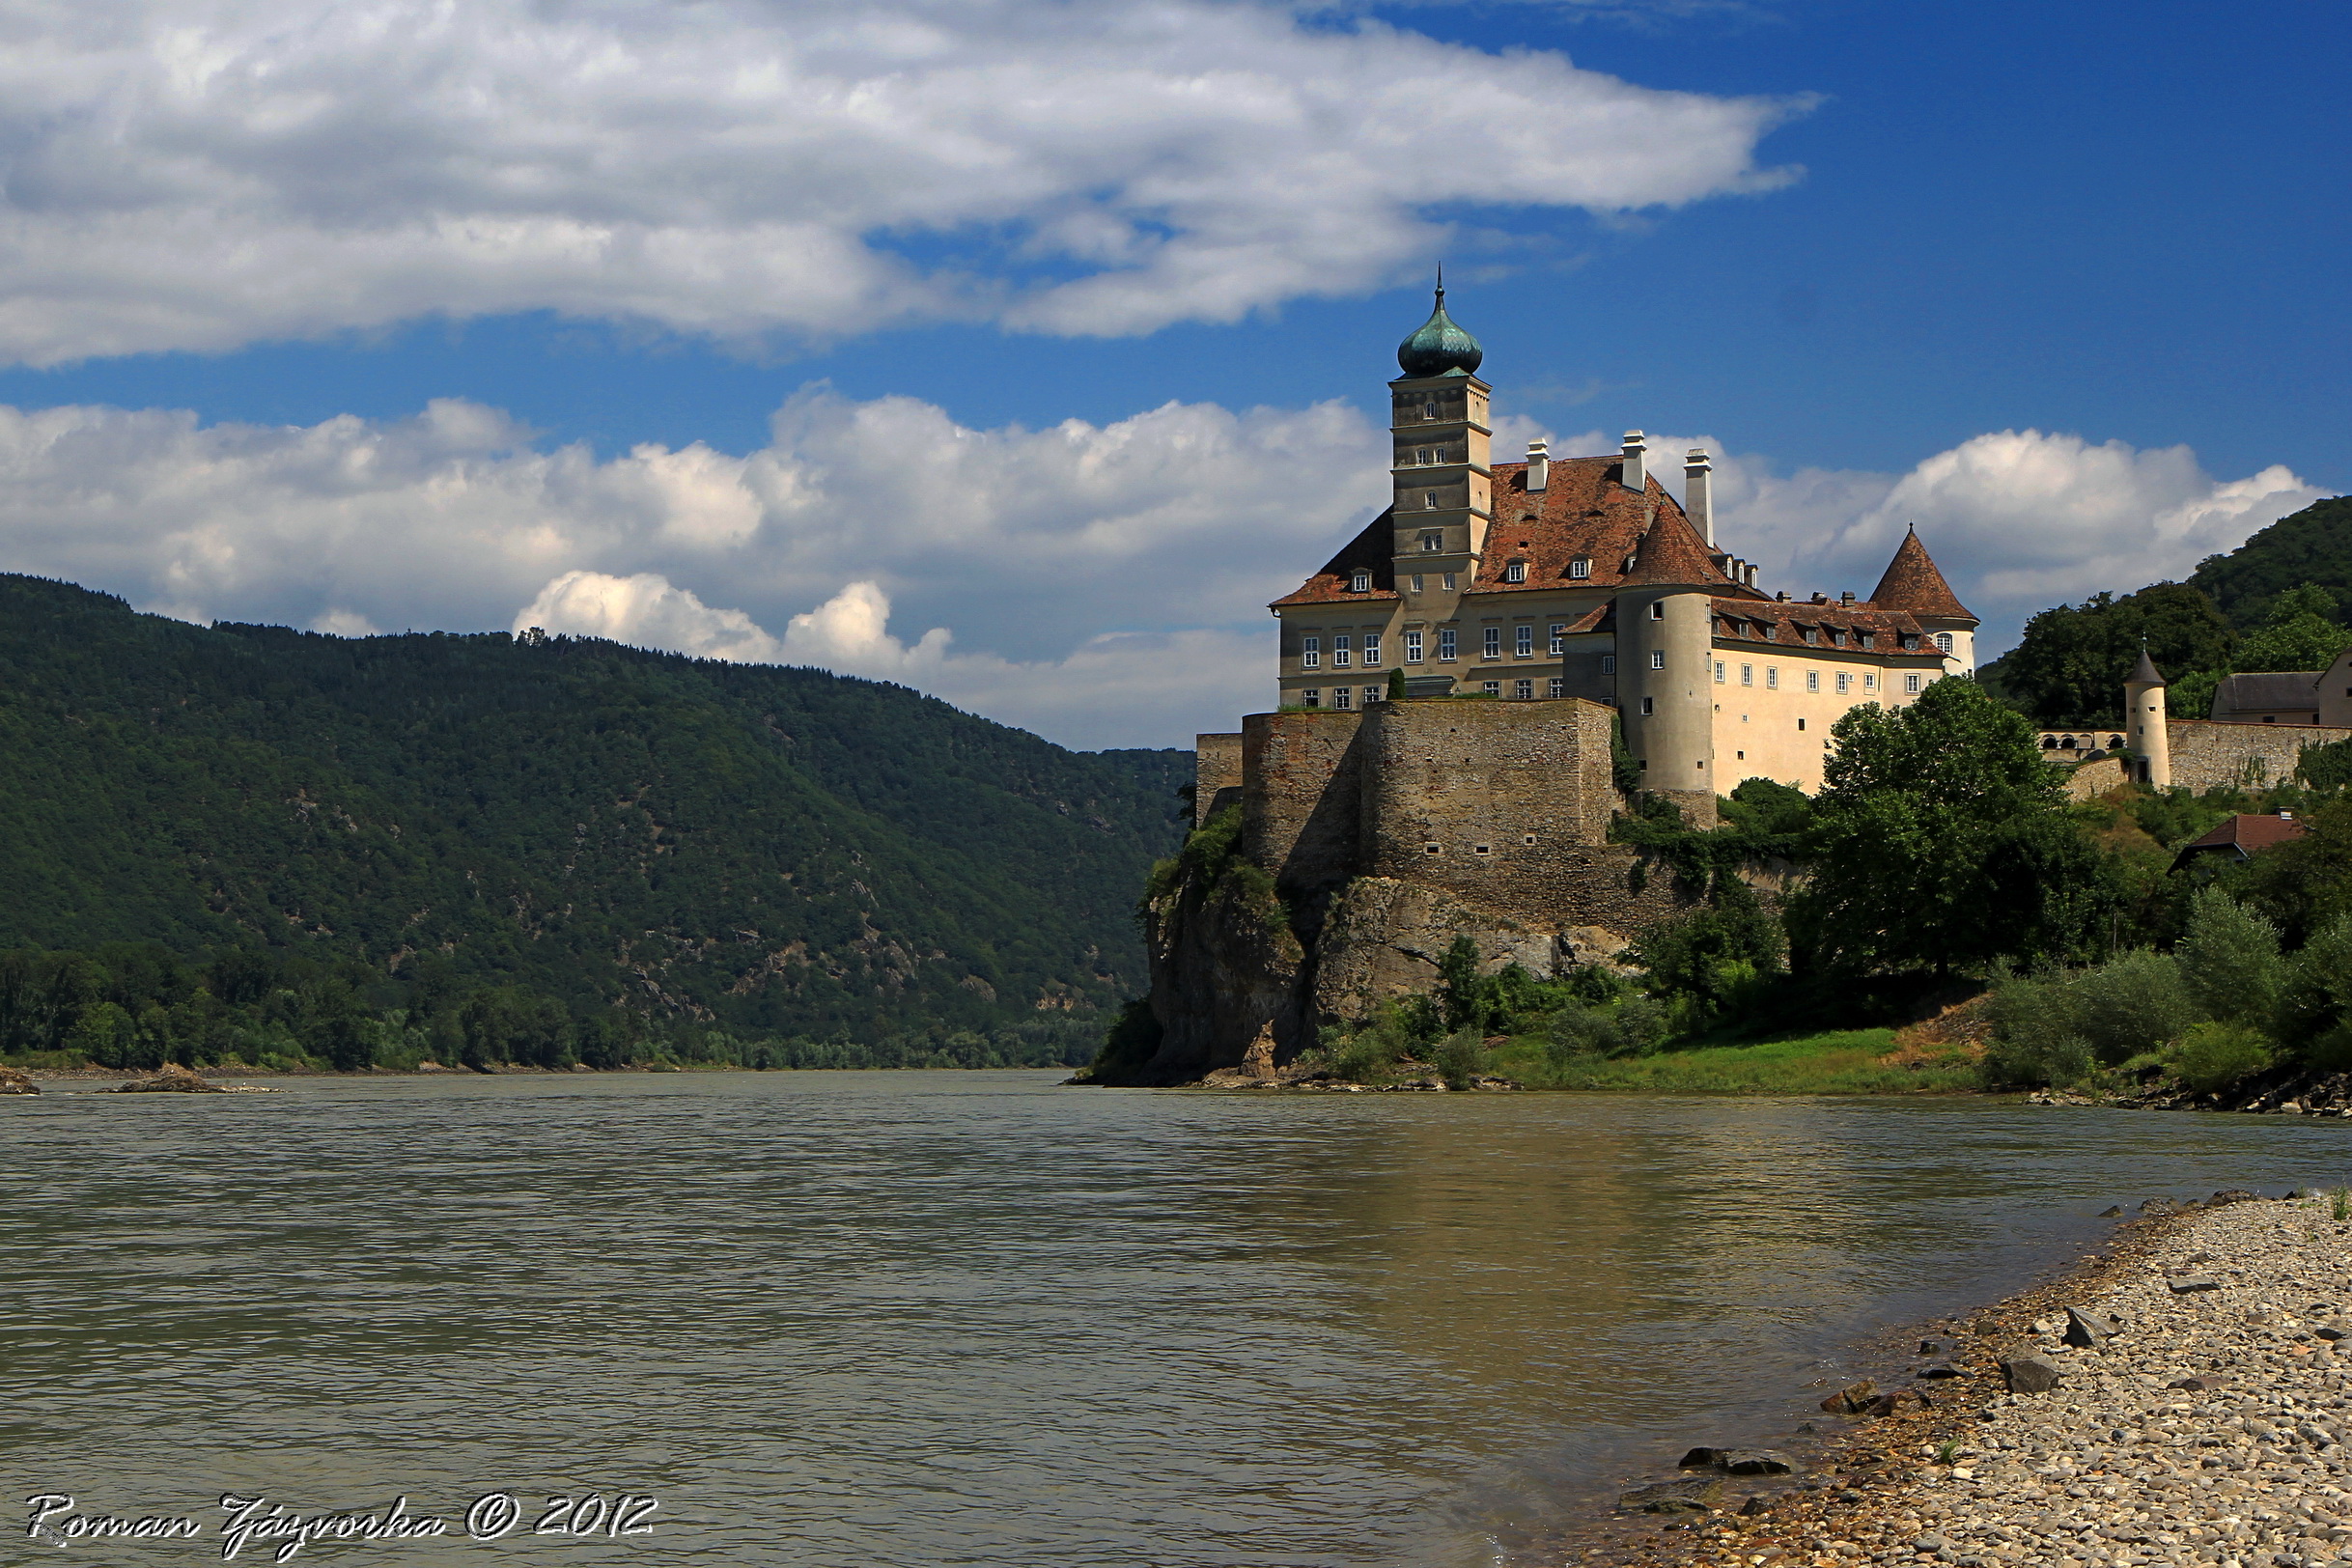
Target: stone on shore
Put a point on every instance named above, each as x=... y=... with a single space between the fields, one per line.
x=1698 y=1495
x=1851 y=1400
x=173 y=1078
x=2032 y=1373
x=13 y=1082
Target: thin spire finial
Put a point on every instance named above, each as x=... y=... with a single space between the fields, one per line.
x=1441 y=283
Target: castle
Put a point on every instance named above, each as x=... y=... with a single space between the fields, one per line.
x=1582 y=578
x=1454 y=682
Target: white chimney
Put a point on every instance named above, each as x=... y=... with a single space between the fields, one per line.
x=1635 y=477
x=1695 y=472
x=1539 y=466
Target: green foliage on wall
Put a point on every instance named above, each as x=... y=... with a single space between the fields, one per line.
x=761 y=852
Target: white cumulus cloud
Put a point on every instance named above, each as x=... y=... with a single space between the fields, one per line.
x=196 y=175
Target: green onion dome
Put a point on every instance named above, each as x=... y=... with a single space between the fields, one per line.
x=1440 y=347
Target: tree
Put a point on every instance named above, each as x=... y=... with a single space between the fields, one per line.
x=1715 y=954
x=2299 y=634
x=2313 y=545
x=2229 y=959
x=1943 y=846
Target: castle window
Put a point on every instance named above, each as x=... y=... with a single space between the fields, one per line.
x=1493 y=642
x=1658 y=660
x=1869 y=639
x=1650 y=706
x=1431 y=847
x=1412 y=647
x=1801 y=724
x=1343 y=696
x=1310 y=653
x=1492 y=688
x=1813 y=680
x=1943 y=641
x=1312 y=697
x=1838 y=638
x=1609 y=663
x=1522 y=642
x=1656 y=609
x=1813 y=635
x=1870 y=680
x=1372 y=694
x=1559 y=641
x=1581 y=567
x=1431 y=543
x=1447 y=582
x=1523 y=690
x=1911 y=683
x=1516 y=572
x=1416 y=582
x=1445 y=645
x=1557 y=687
x=1429 y=500
x=1482 y=848
x=1845 y=684
x=1718 y=672
x=1771 y=677
x=1747 y=675
x=1361 y=582
x=1424 y=456
x=1371 y=650
x=1340 y=655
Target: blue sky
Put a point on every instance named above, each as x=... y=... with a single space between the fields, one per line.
x=1873 y=237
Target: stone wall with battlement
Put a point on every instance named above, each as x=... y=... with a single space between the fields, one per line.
x=1504 y=806
x=2210 y=754
x=1217 y=774
x=1301 y=815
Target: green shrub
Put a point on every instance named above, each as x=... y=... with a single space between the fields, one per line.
x=2213 y=1055
x=2230 y=960
x=2034 y=1039
x=2313 y=1020
x=1461 y=1057
x=2137 y=1002
x=1634 y=1026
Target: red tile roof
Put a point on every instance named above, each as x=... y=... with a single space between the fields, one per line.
x=2240 y=836
x=1786 y=621
x=1913 y=583
x=1583 y=511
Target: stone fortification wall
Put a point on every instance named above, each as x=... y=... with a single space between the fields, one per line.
x=1503 y=805
x=1300 y=812
x=2211 y=754
x=1216 y=775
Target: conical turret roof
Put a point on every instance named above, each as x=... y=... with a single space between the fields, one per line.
x=1438 y=347
x=2145 y=672
x=1912 y=583
x=1673 y=555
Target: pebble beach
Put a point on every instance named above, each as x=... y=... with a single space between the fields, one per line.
x=2196 y=1411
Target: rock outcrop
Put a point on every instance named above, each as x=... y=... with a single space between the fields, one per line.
x=12 y=1082
x=173 y=1078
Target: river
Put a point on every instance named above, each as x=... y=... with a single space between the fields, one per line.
x=925 y=1320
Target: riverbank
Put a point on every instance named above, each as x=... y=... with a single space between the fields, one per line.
x=2196 y=1417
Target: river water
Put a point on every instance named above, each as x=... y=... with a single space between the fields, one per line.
x=937 y=1319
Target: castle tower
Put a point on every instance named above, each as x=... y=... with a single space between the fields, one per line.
x=1444 y=484
x=2144 y=722
x=1665 y=664
x=1913 y=584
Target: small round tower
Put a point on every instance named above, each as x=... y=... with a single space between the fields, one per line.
x=1665 y=646
x=2144 y=726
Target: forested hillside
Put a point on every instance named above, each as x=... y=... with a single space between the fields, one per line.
x=2279 y=601
x=774 y=852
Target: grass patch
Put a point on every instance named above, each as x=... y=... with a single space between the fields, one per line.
x=1843 y=1061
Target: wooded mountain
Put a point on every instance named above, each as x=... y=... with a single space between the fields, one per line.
x=779 y=851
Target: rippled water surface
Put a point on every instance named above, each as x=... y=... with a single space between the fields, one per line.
x=879 y=1319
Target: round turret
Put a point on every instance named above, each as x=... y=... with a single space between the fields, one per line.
x=1440 y=347
x=2146 y=726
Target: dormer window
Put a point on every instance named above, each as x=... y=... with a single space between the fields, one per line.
x=1516 y=572
x=1812 y=634
x=1868 y=640
x=1581 y=567
x=1360 y=583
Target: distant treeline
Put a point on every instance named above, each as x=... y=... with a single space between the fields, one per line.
x=137 y=1005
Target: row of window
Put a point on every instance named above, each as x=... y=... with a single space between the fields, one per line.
x=1430 y=457
x=1343 y=651
x=1341 y=696
x=1346 y=696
